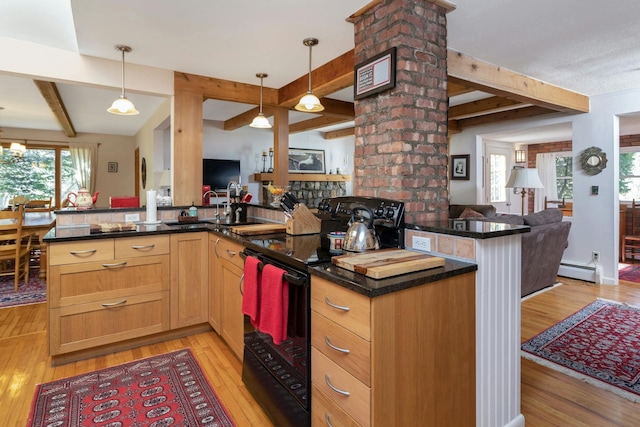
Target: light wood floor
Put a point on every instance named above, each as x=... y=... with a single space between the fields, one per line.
x=548 y=397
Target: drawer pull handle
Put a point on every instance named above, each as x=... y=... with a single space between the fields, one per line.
x=89 y=251
x=215 y=248
x=117 y=264
x=143 y=246
x=240 y=284
x=113 y=304
x=231 y=253
x=337 y=307
x=326 y=419
x=332 y=387
x=341 y=350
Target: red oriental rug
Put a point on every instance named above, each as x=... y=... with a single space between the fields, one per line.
x=33 y=292
x=599 y=344
x=630 y=273
x=165 y=390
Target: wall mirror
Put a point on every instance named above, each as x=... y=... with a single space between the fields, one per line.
x=593 y=160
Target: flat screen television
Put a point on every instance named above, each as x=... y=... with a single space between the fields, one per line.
x=217 y=172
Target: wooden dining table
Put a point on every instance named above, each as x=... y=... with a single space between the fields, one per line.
x=39 y=224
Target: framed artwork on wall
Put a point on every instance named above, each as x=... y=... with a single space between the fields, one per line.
x=460 y=166
x=112 y=167
x=302 y=160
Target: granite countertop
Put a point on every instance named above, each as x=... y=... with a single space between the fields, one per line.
x=470 y=228
x=375 y=287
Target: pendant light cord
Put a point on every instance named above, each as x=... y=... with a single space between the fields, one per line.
x=310 y=47
x=261 y=94
x=122 y=50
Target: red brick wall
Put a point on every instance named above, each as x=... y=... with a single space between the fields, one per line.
x=401 y=134
x=630 y=141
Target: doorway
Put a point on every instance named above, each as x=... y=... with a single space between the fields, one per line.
x=498 y=159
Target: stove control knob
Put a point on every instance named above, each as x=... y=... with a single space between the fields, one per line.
x=390 y=212
x=379 y=211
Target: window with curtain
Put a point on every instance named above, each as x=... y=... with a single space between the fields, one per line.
x=498 y=170
x=84 y=156
x=41 y=173
x=556 y=174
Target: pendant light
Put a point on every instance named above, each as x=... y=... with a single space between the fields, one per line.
x=261 y=121
x=122 y=105
x=309 y=103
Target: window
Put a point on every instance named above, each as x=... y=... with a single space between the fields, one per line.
x=35 y=175
x=564 y=176
x=629 y=183
x=498 y=170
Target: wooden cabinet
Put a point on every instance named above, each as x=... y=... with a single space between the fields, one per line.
x=189 y=279
x=232 y=274
x=107 y=290
x=396 y=358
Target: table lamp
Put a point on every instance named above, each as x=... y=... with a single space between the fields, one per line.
x=524 y=178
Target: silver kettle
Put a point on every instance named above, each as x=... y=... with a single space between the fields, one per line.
x=361 y=237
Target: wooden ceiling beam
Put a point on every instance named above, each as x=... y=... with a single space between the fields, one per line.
x=455 y=89
x=491 y=105
x=520 y=113
x=465 y=70
x=224 y=90
x=49 y=92
x=340 y=133
x=315 y=123
x=247 y=117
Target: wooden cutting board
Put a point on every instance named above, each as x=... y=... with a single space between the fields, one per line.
x=246 y=230
x=387 y=262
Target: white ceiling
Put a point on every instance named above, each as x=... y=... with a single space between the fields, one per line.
x=588 y=46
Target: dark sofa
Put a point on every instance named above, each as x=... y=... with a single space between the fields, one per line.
x=542 y=247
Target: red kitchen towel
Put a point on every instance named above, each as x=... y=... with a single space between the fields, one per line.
x=274 y=308
x=251 y=293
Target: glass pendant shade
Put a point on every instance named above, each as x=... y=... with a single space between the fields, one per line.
x=260 y=122
x=123 y=107
x=309 y=103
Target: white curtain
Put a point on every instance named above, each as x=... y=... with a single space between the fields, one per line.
x=84 y=157
x=546 y=164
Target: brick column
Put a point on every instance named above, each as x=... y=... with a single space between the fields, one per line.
x=401 y=134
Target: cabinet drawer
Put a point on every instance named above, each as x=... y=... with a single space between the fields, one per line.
x=94 y=281
x=81 y=251
x=342 y=346
x=131 y=247
x=93 y=324
x=325 y=374
x=347 y=308
x=325 y=412
x=229 y=251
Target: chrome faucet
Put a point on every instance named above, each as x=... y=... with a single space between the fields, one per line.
x=227 y=211
x=217 y=204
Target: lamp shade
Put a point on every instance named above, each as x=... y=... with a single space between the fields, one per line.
x=524 y=178
x=260 y=122
x=123 y=107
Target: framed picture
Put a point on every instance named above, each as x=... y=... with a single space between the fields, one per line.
x=113 y=167
x=460 y=166
x=302 y=160
x=375 y=74
x=460 y=225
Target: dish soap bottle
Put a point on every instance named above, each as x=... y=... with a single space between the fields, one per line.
x=193 y=211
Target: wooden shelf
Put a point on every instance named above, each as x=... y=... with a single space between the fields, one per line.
x=264 y=177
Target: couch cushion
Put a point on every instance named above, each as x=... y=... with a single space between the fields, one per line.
x=456 y=210
x=470 y=213
x=505 y=219
x=546 y=216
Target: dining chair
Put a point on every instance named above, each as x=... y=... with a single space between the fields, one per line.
x=44 y=205
x=15 y=246
x=631 y=238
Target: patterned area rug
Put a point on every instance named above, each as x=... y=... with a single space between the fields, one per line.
x=165 y=390
x=630 y=273
x=30 y=293
x=599 y=344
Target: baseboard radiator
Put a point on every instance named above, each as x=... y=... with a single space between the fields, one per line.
x=586 y=272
